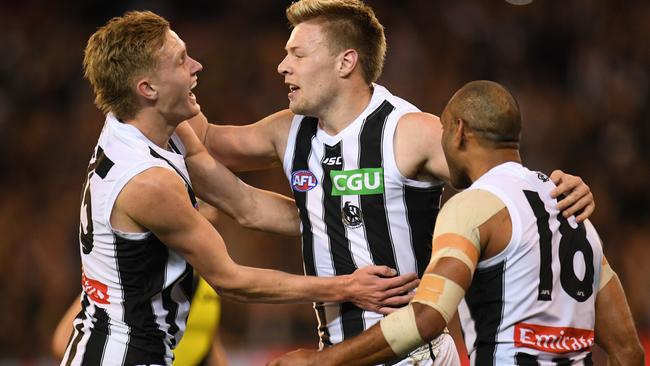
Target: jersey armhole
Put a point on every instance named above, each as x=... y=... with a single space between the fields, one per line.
x=515 y=236
x=290 y=148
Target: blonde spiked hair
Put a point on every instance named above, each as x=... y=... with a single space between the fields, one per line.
x=347 y=24
x=123 y=49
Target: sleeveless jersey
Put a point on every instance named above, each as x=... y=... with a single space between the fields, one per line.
x=136 y=291
x=533 y=303
x=356 y=207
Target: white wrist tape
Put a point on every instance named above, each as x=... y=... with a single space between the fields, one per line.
x=401 y=331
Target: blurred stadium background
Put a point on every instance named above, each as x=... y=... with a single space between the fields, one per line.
x=580 y=69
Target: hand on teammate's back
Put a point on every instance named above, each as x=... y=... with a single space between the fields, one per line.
x=379 y=289
x=579 y=201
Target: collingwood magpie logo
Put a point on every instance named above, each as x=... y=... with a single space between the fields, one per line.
x=351 y=215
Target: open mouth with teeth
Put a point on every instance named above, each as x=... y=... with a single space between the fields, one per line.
x=192 y=87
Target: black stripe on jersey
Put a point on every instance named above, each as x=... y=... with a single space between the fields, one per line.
x=588 y=361
x=323 y=330
x=351 y=315
x=485 y=302
x=302 y=151
x=339 y=244
x=562 y=361
x=373 y=207
x=141 y=266
x=545 y=287
x=103 y=164
x=190 y=191
x=174 y=147
x=82 y=317
x=525 y=359
x=422 y=207
x=99 y=334
x=171 y=306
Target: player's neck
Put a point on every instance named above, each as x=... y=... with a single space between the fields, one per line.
x=484 y=161
x=154 y=126
x=344 y=108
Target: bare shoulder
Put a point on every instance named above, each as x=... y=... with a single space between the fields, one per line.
x=418 y=150
x=277 y=126
x=152 y=195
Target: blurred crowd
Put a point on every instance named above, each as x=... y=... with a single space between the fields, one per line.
x=580 y=71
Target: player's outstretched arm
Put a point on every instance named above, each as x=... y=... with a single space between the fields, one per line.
x=251 y=207
x=181 y=227
x=615 y=331
x=253 y=146
x=578 y=198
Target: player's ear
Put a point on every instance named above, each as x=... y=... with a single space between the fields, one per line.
x=460 y=132
x=146 y=89
x=347 y=61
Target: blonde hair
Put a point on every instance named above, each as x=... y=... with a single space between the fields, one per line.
x=123 y=49
x=347 y=24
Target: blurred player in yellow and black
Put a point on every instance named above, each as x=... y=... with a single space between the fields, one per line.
x=201 y=343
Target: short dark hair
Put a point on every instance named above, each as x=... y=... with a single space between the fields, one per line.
x=489 y=110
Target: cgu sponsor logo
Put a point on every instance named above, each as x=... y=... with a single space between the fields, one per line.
x=97 y=291
x=553 y=339
x=303 y=180
x=357 y=182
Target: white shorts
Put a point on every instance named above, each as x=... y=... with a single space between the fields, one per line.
x=443 y=349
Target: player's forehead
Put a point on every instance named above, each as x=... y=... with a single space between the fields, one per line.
x=173 y=44
x=307 y=35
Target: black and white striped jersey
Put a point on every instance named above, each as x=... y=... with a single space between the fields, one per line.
x=356 y=207
x=136 y=291
x=533 y=303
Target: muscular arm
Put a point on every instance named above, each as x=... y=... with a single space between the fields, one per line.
x=182 y=228
x=256 y=146
x=615 y=331
x=249 y=206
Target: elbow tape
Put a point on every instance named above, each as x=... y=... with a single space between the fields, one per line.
x=401 y=331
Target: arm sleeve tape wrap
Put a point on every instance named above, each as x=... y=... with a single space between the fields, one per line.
x=606 y=274
x=440 y=293
x=465 y=212
x=401 y=331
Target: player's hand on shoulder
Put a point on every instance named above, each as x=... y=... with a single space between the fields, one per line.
x=300 y=357
x=378 y=289
x=578 y=199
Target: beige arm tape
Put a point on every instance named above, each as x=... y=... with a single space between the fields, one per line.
x=606 y=273
x=401 y=331
x=456 y=234
x=440 y=293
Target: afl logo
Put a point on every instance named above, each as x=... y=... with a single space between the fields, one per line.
x=303 y=180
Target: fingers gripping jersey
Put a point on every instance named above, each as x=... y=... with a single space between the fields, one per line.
x=136 y=291
x=533 y=303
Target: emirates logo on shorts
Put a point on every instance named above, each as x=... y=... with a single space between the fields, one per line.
x=97 y=291
x=553 y=339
